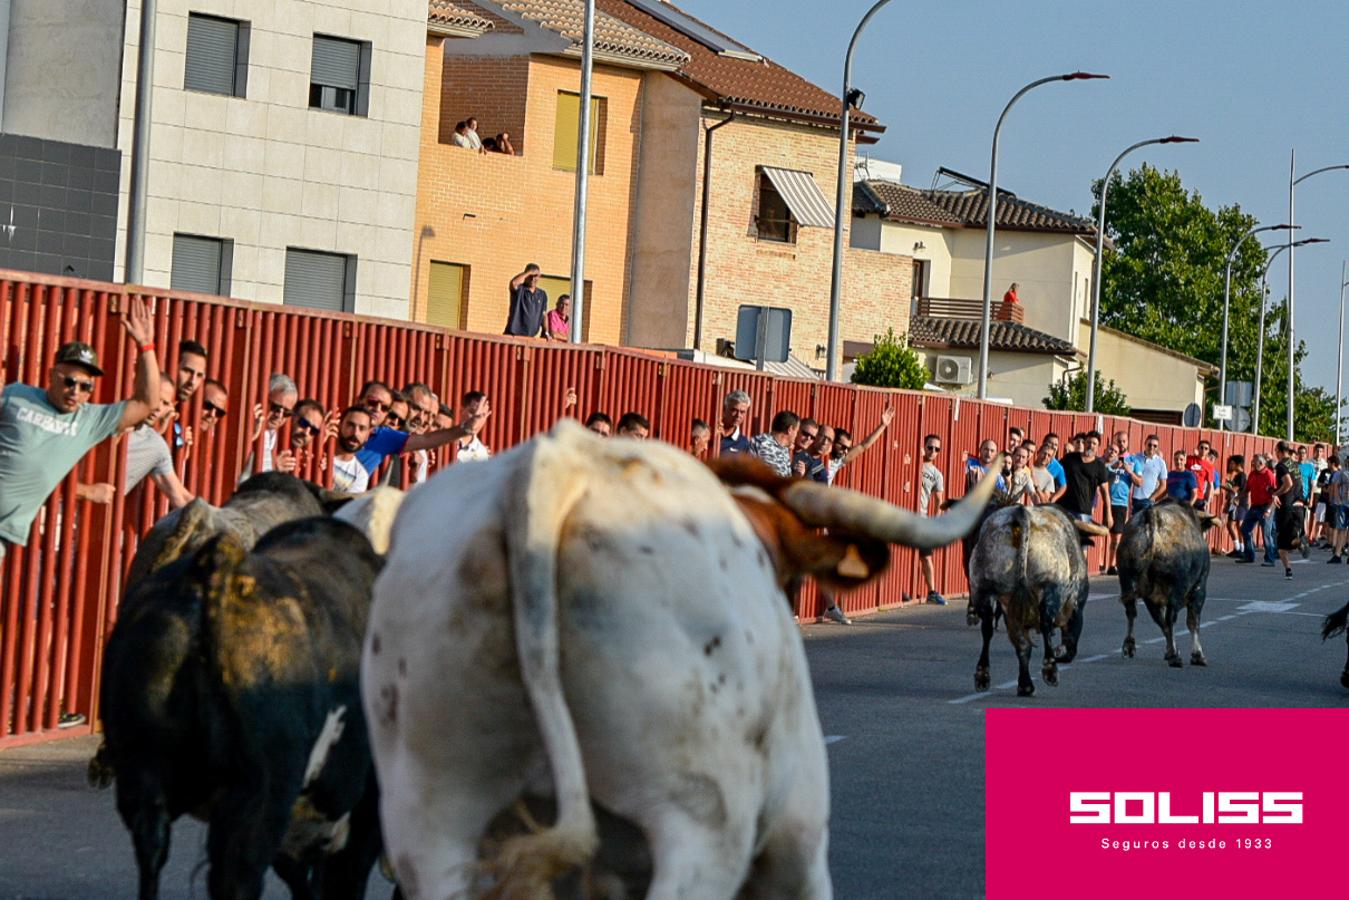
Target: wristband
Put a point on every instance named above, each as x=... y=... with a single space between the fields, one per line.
x=147 y=348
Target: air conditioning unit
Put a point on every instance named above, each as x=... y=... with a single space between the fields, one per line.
x=954 y=370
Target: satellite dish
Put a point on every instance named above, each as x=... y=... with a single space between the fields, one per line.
x=1193 y=416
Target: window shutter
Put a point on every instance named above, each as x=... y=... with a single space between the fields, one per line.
x=336 y=63
x=315 y=280
x=211 y=47
x=445 y=295
x=196 y=264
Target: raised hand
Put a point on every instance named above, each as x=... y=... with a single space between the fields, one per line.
x=286 y=461
x=138 y=322
x=570 y=401
x=888 y=415
x=259 y=417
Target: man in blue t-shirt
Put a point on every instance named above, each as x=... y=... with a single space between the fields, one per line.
x=734 y=418
x=384 y=441
x=1181 y=483
x=1054 y=466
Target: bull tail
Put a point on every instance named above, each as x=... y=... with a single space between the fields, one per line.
x=1021 y=541
x=1335 y=623
x=540 y=503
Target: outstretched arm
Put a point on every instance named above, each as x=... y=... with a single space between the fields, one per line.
x=139 y=327
x=468 y=428
x=858 y=449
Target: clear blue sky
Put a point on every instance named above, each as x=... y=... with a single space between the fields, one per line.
x=1252 y=80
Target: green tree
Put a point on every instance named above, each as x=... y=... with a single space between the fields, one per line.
x=891 y=363
x=1163 y=281
x=1071 y=393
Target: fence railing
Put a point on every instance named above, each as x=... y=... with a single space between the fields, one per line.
x=59 y=595
x=952 y=308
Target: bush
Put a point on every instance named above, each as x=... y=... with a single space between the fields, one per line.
x=892 y=364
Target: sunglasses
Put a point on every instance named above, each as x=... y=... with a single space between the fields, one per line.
x=376 y=406
x=933 y=448
x=84 y=387
x=308 y=426
x=279 y=410
x=393 y=420
x=212 y=410
x=809 y=434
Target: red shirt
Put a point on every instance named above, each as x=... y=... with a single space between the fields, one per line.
x=1261 y=485
x=1203 y=470
x=1010 y=297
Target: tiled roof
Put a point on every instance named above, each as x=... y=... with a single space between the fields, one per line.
x=968 y=209
x=760 y=84
x=612 y=36
x=926 y=331
x=454 y=15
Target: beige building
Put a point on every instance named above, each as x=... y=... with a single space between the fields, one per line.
x=1050 y=255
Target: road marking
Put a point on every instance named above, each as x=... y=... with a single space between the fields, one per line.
x=1272 y=606
x=834 y=739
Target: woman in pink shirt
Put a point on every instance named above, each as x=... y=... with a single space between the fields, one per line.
x=558 y=321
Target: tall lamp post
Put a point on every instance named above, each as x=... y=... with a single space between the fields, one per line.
x=1100 y=249
x=1227 y=301
x=1339 y=356
x=1260 y=344
x=1293 y=182
x=578 y=227
x=993 y=215
x=844 y=186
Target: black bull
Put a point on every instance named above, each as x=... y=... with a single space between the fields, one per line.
x=231 y=692
x=1163 y=560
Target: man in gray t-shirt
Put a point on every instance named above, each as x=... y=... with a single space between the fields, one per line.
x=931 y=489
x=45 y=432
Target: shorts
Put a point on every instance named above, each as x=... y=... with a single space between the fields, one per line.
x=1288 y=521
x=1320 y=512
x=1118 y=516
x=1339 y=517
x=925 y=553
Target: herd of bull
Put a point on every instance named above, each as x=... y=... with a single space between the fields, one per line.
x=583 y=633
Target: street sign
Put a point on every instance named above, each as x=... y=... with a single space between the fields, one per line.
x=1242 y=419
x=1222 y=413
x=1193 y=416
x=763 y=334
x=1238 y=393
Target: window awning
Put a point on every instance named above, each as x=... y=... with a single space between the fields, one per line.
x=802 y=196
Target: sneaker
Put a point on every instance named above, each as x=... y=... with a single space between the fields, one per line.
x=1335 y=561
x=1112 y=571
x=1267 y=565
x=936 y=599
x=70 y=720
x=1288 y=574
x=1241 y=561
x=1235 y=554
x=1305 y=549
x=834 y=614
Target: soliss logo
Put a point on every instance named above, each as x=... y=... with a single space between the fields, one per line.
x=1218 y=807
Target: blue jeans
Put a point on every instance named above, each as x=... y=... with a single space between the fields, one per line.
x=1256 y=515
x=1139 y=505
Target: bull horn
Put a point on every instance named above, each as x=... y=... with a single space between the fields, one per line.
x=1094 y=529
x=855 y=513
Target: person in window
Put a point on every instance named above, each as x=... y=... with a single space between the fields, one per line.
x=1011 y=297
x=529 y=303
x=557 y=323
x=461 y=138
x=471 y=132
x=504 y=145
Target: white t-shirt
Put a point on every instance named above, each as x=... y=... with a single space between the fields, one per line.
x=349 y=476
x=474 y=451
x=268 y=445
x=930 y=481
x=474 y=142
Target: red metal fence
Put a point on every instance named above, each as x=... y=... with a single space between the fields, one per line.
x=58 y=596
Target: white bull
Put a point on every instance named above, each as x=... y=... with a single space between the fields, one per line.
x=608 y=614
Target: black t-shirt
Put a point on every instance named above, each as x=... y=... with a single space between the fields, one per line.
x=1084 y=478
x=1236 y=484
x=1289 y=469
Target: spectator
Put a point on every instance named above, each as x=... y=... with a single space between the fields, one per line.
x=1020 y=486
x=1182 y=483
x=444 y=416
x=1260 y=486
x=600 y=423
x=1014 y=438
x=489 y=145
x=1087 y=477
x=1236 y=501
x=633 y=425
x=422 y=407
x=700 y=438
x=1199 y=463
x=1011 y=296
x=843 y=450
x=1046 y=491
x=1055 y=467
x=529 y=303
x=1306 y=470
x=444 y=419
x=191 y=370
x=976 y=467
x=399 y=409
x=1121 y=485
x=775 y=446
x=45 y=433
x=471 y=132
x=282 y=395
x=821 y=453
x=931 y=494
x=147 y=454
x=734 y=415
x=476 y=408
x=1121 y=442
x=350 y=476
x=308 y=424
x=385 y=440
x=504 y=144
x=215 y=401
x=1149 y=477
x=1322 y=526
x=1337 y=513
x=806 y=436
x=1290 y=513
x=461 y=138
x=557 y=324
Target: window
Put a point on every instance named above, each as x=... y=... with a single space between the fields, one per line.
x=320 y=280
x=567 y=129
x=918 y=287
x=201 y=264
x=445 y=295
x=339 y=76
x=773 y=219
x=217 y=55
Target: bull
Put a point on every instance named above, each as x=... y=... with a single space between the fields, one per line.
x=1334 y=624
x=605 y=619
x=1028 y=564
x=231 y=693
x=1163 y=560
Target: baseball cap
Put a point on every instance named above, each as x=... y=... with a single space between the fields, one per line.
x=78 y=353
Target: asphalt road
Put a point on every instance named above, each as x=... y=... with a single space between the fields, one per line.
x=903 y=724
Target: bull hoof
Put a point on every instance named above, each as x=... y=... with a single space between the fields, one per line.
x=1129 y=646
x=1064 y=656
x=982 y=679
x=1025 y=690
x=1197 y=659
x=1175 y=662
x=1050 y=674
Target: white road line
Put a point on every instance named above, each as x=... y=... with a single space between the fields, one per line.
x=834 y=738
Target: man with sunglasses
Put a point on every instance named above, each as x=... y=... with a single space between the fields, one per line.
x=45 y=432
x=282 y=394
x=931 y=491
x=215 y=401
x=384 y=440
x=806 y=435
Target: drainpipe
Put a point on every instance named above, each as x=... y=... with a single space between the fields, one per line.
x=4 y=54
x=134 y=271
x=702 y=227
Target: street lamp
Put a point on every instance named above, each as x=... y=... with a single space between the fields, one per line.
x=1227 y=299
x=1293 y=182
x=851 y=97
x=993 y=215
x=1339 y=356
x=1100 y=249
x=1260 y=345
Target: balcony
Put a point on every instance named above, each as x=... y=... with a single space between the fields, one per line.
x=951 y=308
